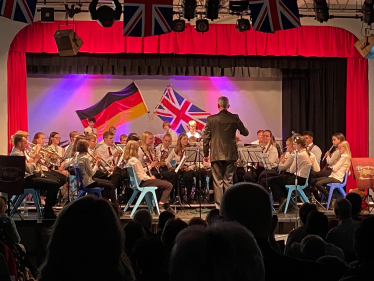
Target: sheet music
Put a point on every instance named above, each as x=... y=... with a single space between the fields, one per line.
x=181 y=163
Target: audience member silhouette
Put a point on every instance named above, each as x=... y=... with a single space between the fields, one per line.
x=171 y=230
x=212 y=216
x=144 y=217
x=337 y=266
x=162 y=219
x=312 y=247
x=362 y=269
x=87 y=243
x=133 y=232
x=226 y=251
x=249 y=204
x=197 y=222
x=356 y=202
x=296 y=235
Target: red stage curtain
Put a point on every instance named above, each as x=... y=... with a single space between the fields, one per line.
x=17 y=93
x=221 y=39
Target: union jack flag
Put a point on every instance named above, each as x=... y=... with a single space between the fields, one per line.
x=18 y=10
x=179 y=111
x=143 y=18
x=273 y=15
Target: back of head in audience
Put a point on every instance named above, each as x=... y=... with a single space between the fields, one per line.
x=87 y=243
x=143 y=217
x=197 y=222
x=163 y=218
x=226 y=251
x=305 y=210
x=149 y=255
x=212 y=216
x=170 y=232
x=133 y=232
x=337 y=266
x=343 y=209
x=317 y=224
x=312 y=247
x=2 y=205
x=356 y=202
x=363 y=240
x=248 y=204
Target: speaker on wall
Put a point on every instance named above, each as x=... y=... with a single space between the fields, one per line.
x=365 y=47
x=68 y=42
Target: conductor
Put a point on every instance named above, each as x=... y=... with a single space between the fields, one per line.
x=219 y=133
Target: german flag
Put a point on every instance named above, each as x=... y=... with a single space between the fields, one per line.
x=115 y=109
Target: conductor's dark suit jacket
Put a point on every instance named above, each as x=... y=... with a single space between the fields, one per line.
x=220 y=133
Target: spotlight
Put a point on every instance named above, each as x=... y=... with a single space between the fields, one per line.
x=211 y=9
x=366 y=47
x=72 y=11
x=243 y=25
x=105 y=15
x=189 y=7
x=322 y=10
x=179 y=25
x=202 y=25
x=237 y=7
x=368 y=12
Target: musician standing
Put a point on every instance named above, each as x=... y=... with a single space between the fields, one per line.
x=90 y=128
x=219 y=133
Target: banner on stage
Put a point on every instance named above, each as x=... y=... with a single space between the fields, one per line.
x=142 y=18
x=274 y=15
x=18 y=10
x=179 y=111
x=115 y=109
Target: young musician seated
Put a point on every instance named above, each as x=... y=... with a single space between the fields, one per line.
x=123 y=139
x=87 y=171
x=54 y=143
x=162 y=153
x=168 y=130
x=131 y=156
x=193 y=134
x=73 y=135
x=308 y=136
x=338 y=172
x=259 y=137
x=147 y=154
x=51 y=185
x=269 y=151
x=90 y=128
x=305 y=160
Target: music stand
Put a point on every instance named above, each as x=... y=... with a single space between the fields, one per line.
x=178 y=200
x=251 y=155
x=12 y=177
x=265 y=161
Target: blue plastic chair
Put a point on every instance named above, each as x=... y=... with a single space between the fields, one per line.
x=145 y=192
x=35 y=193
x=339 y=186
x=299 y=190
x=82 y=190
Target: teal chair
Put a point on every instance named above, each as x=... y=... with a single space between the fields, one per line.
x=299 y=190
x=145 y=192
x=35 y=193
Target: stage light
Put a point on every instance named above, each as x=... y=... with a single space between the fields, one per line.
x=321 y=10
x=243 y=25
x=368 y=12
x=105 y=15
x=179 y=25
x=189 y=9
x=237 y=7
x=365 y=46
x=211 y=9
x=202 y=25
x=72 y=11
x=47 y=14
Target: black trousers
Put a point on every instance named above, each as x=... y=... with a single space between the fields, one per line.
x=253 y=174
x=108 y=192
x=277 y=185
x=49 y=184
x=265 y=175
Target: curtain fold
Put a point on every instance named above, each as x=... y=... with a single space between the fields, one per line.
x=17 y=94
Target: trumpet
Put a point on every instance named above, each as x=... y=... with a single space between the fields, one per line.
x=102 y=164
x=120 y=151
x=164 y=155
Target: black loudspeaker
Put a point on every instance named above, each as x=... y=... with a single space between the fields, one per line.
x=365 y=47
x=47 y=14
x=68 y=42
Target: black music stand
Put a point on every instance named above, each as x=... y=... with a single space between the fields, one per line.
x=12 y=177
x=251 y=155
x=178 y=200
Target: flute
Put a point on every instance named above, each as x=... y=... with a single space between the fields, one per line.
x=329 y=151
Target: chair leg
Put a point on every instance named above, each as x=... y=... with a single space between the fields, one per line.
x=330 y=196
x=303 y=196
x=149 y=201
x=37 y=203
x=342 y=191
x=288 y=199
x=155 y=200
x=137 y=203
x=131 y=199
x=17 y=203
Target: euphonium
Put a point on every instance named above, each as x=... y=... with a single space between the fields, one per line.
x=164 y=155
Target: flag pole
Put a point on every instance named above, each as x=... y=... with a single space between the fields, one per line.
x=160 y=101
x=149 y=115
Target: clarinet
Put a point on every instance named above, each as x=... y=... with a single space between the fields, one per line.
x=156 y=167
x=329 y=151
x=146 y=159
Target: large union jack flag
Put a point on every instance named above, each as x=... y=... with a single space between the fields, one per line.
x=18 y=10
x=179 y=111
x=273 y=15
x=143 y=18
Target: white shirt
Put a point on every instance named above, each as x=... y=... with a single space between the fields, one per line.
x=334 y=157
x=272 y=154
x=255 y=142
x=103 y=151
x=196 y=135
x=144 y=158
x=316 y=151
x=341 y=167
x=173 y=156
x=84 y=164
x=60 y=152
x=174 y=136
x=90 y=130
x=304 y=162
x=161 y=150
x=30 y=167
x=287 y=164
x=140 y=174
